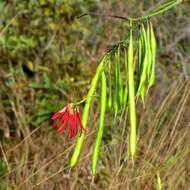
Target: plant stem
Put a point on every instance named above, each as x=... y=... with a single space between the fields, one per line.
x=149 y=15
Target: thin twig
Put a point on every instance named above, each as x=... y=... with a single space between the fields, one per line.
x=103 y=15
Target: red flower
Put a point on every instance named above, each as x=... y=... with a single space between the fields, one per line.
x=68 y=116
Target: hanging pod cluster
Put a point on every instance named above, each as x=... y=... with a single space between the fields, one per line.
x=146 y=59
x=117 y=97
x=120 y=86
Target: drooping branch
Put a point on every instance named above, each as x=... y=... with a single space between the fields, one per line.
x=157 y=11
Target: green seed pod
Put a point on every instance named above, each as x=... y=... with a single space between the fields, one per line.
x=98 y=141
x=110 y=86
x=125 y=95
x=163 y=7
x=116 y=87
x=144 y=65
x=120 y=86
x=149 y=53
x=140 y=55
x=141 y=52
x=153 y=52
x=131 y=90
x=85 y=112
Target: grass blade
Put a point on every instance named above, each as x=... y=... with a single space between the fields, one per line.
x=159 y=183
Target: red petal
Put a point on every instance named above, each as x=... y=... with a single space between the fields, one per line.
x=75 y=125
x=55 y=124
x=55 y=115
x=62 y=127
x=60 y=120
x=72 y=127
x=59 y=113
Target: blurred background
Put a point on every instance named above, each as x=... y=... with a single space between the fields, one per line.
x=48 y=57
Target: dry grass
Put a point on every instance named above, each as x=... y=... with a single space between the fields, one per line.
x=41 y=159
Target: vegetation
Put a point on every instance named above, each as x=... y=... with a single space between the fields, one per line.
x=48 y=58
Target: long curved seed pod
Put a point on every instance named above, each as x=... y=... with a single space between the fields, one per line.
x=85 y=113
x=153 y=52
x=120 y=87
x=131 y=89
x=125 y=93
x=163 y=6
x=148 y=37
x=141 y=52
x=98 y=141
x=148 y=60
x=110 y=86
x=116 y=86
x=144 y=66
